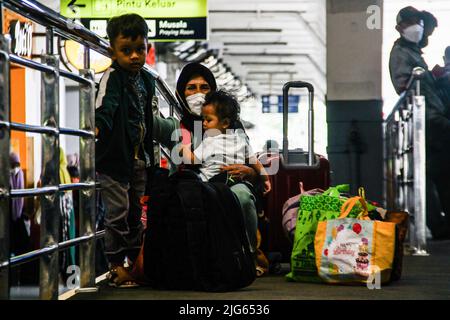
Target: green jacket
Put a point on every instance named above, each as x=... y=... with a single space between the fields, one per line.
x=114 y=151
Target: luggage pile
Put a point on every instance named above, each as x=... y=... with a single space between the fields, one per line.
x=342 y=239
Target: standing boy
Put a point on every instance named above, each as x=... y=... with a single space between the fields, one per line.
x=124 y=148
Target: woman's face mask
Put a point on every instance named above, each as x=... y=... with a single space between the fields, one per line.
x=15 y=170
x=195 y=103
x=413 y=33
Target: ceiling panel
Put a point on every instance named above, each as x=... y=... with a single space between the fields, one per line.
x=267 y=43
x=263 y=44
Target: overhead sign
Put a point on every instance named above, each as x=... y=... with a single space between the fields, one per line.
x=168 y=20
x=21 y=31
x=274 y=103
x=22 y=38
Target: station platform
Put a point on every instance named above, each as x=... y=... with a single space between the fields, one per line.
x=423 y=278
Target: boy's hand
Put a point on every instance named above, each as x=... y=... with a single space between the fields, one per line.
x=186 y=148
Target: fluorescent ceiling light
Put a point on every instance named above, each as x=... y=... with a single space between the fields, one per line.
x=255 y=43
x=210 y=62
x=257 y=11
x=266 y=54
x=196 y=55
x=267 y=63
x=271 y=72
x=245 y=30
x=218 y=70
x=185 y=45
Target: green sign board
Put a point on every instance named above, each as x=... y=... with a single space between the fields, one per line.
x=145 y=8
x=168 y=20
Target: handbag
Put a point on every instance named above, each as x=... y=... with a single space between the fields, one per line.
x=400 y=218
x=354 y=250
x=313 y=209
x=290 y=210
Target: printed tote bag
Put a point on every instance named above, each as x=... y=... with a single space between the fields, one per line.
x=353 y=251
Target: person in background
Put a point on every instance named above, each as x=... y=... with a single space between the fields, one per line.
x=445 y=70
x=415 y=27
x=446 y=58
x=20 y=225
x=442 y=76
x=73 y=167
x=67 y=210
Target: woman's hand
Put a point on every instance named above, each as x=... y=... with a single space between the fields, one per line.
x=267 y=187
x=240 y=172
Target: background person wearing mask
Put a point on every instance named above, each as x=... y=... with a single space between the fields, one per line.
x=415 y=27
x=20 y=227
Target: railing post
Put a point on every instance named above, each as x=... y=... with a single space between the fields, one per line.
x=87 y=174
x=419 y=156
x=405 y=161
x=50 y=204
x=156 y=146
x=5 y=187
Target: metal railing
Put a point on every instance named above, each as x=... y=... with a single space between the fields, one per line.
x=404 y=160
x=50 y=131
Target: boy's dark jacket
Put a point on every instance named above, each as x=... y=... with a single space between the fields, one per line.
x=114 y=152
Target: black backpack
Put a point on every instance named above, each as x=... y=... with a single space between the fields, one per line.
x=195 y=237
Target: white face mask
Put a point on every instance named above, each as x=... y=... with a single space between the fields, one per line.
x=413 y=33
x=195 y=103
x=15 y=170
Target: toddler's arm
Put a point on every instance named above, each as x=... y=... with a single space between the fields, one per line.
x=264 y=176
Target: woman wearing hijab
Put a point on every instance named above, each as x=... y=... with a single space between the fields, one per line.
x=194 y=82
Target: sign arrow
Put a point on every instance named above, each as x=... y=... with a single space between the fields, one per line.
x=72 y=4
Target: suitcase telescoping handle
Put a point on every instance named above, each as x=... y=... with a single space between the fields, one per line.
x=312 y=161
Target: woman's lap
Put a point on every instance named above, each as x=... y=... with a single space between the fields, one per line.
x=247 y=201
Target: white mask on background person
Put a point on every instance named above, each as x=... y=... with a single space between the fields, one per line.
x=413 y=33
x=195 y=103
x=15 y=170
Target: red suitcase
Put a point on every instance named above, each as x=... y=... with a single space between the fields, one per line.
x=288 y=168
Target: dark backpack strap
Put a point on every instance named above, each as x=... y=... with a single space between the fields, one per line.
x=191 y=195
x=242 y=251
x=232 y=206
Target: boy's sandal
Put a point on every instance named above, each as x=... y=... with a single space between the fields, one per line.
x=260 y=271
x=120 y=278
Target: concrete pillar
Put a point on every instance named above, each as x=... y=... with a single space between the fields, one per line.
x=354 y=102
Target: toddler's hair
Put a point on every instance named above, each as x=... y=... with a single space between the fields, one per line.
x=225 y=105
